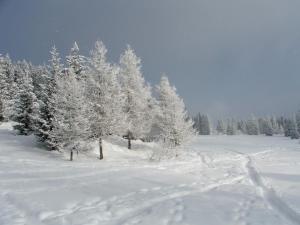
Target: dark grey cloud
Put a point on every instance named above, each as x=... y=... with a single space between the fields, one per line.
x=226 y=58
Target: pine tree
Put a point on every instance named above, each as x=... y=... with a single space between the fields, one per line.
x=297 y=118
x=26 y=107
x=47 y=100
x=220 y=127
x=265 y=125
x=3 y=89
x=231 y=130
x=241 y=127
x=293 y=129
x=76 y=62
x=205 y=125
x=252 y=126
x=70 y=124
x=174 y=124
x=202 y=124
x=137 y=96
x=104 y=96
x=7 y=87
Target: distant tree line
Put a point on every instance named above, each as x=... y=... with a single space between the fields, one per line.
x=65 y=104
x=269 y=126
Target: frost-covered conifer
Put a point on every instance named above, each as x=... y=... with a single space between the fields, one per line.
x=231 y=127
x=220 y=127
x=47 y=90
x=252 y=126
x=104 y=96
x=291 y=129
x=174 y=124
x=297 y=118
x=26 y=108
x=265 y=126
x=7 y=87
x=241 y=127
x=76 y=62
x=137 y=94
x=70 y=123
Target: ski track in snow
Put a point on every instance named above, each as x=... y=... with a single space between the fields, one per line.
x=137 y=204
x=208 y=173
x=267 y=193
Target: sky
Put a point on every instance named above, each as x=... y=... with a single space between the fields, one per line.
x=228 y=58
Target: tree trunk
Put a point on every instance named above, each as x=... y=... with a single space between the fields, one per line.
x=71 y=155
x=100 y=148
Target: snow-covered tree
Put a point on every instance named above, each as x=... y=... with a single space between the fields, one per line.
x=174 y=123
x=7 y=87
x=290 y=128
x=46 y=94
x=252 y=126
x=231 y=127
x=220 y=127
x=70 y=123
x=297 y=118
x=3 y=88
x=265 y=126
x=104 y=95
x=26 y=108
x=76 y=62
x=241 y=127
x=137 y=94
x=202 y=124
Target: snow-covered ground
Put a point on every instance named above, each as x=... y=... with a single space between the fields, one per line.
x=220 y=180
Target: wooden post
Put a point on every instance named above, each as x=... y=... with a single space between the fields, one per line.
x=100 y=148
x=129 y=143
x=71 y=155
x=129 y=139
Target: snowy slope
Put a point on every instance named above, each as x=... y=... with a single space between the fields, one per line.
x=221 y=180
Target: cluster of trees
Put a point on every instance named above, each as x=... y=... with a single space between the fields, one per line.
x=269 y=126
x=86 y=98
x=202 y=124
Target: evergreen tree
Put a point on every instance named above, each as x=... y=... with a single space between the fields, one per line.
x=231 y=130
x=26 y=107
x=292 y=127
x=104 y=96
x=7 y=87
x=70 y=123
x=3 y=89
x=47 y=98
x=266 y=126
x=297 y=118
x=137 y=96
x=76 y=62
x=220 y=127
x=202 y=124
x=241 y=127
x=252 y=126
x=174 y=123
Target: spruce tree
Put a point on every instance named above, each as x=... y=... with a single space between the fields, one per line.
x=252 y=126
x=174 y=124
x=137 y=94
x=104 y=97
x=25 y=110
x=77 y=62
x=220 y=127
x=7 y=87
x=70 y=123
x=48 y=88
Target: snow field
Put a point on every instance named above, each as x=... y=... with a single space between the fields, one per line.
x=235 y=180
